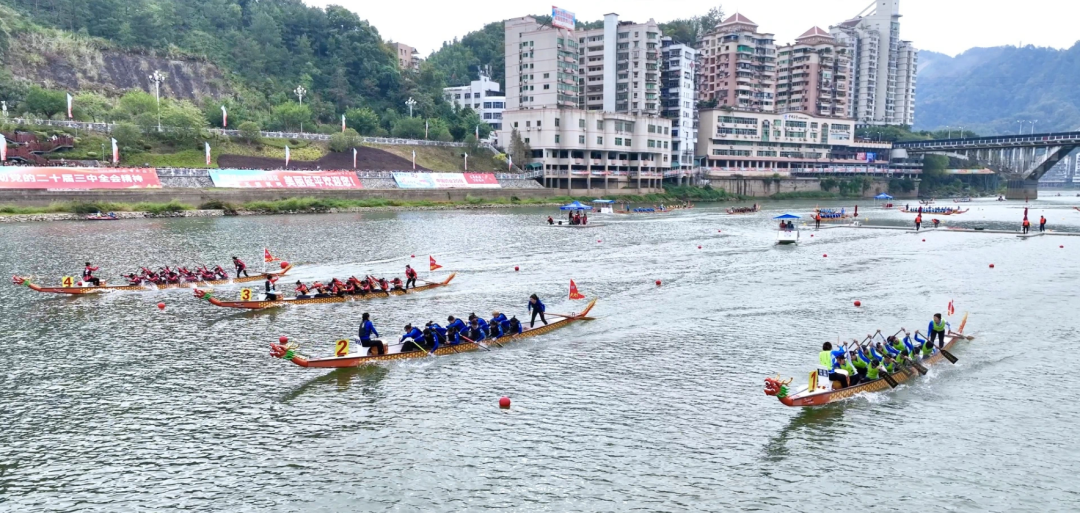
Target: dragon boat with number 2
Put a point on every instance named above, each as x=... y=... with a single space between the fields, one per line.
x=821 y=391
x=289 y=350
x=76 y=288
x=315 y=300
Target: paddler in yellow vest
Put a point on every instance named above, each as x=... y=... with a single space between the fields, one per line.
x=936 y=328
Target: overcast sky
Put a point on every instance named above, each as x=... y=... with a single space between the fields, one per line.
x=947 y=26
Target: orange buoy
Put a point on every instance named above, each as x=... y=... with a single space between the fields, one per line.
x=504 y=402
x=657 y=283
x=283 y=339
x=161 y=306
x=516 y=268
x=858 y=303
x=284 y=265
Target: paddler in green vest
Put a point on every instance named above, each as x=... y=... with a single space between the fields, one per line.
x=840 y=362
x=867 y=366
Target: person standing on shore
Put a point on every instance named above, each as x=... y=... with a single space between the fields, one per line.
x=1026 y=226
x=1042 y=224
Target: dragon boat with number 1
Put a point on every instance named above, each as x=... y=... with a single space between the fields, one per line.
x=313 y=300
x=821 y=394
x=342 y=358
x=74 y=288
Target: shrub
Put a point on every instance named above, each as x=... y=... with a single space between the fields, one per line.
x=343 y=141
x=249 y=131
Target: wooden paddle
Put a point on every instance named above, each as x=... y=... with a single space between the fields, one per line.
x=486 y=348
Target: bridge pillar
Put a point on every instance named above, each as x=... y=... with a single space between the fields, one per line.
x=1022 y=190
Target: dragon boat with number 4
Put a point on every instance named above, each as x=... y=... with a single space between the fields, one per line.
x=343 y=358
x=249 y=304
x=70 y=286
x=821 y=391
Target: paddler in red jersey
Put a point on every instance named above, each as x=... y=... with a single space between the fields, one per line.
x=410 y=277
x=88 y=275
x=241 y=267
x=384 y=284
x=301 y=289
x=397 y=283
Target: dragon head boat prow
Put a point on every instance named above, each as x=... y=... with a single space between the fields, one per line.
x=18 y=280
x=776 y=386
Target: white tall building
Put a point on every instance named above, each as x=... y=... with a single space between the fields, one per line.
x=482 y=96
x=678 y=99
x=620 y=67
x=885 y=66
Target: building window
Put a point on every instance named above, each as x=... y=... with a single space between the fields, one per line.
x=627 y=141
x=618 y=141
x=457 y=96
x=468 y=95
x=487 y=105
x=599 y=124
x=581 y=123
x=515 y=124
x=547 y=86
x=547 y=75
x=556 y=122
x=538 y=123
x=527 y=123
x=651 y=143
x=581 y=139
x=599 y=140
x=526 y=140
x=557 y=139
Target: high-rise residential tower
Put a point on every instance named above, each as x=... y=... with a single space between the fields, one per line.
x=541 y=65
x=620 y=67
x=885 y=67
x=678 y=99
x=738 y=68
x=814 y=75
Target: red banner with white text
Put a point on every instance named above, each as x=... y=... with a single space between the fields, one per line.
x=482 y=180
x=244 y=178
x=18 y=177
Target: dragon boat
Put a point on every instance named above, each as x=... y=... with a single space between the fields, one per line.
x=290 y=350
x=826 y=392
x=743 y=210
x=312 y=300
x=949 y=211
x=76 y=289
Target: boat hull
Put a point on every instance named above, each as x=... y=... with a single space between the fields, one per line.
x=359 y=360
x=949 y=213
x=78 y=291
x=259 y=305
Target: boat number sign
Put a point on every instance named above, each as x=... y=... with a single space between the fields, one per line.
x=245 y=294
x=67 y=281
x=342 y=347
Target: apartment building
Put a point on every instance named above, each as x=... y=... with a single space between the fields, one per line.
x=885 y=67
x=620 y=67
x=678 y=99
x=482 y=96
x=573 y=138
x=583 y=142
x=541 y=65
x=738 y=66
x=793 y=142
x=408 y=58
x=814 y=75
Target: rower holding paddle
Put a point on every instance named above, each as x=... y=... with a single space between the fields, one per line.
x=414 y=337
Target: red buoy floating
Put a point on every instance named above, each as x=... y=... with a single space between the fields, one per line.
x=699 y=247
x=825 y=256
x=657 y=283
x=516 y=268
x=283 y=339
x=412 y=256
x=1062 y=247
x=811 y=236
x=924 y=240
x=991 y=266
x=284 y=265
x=161 y=306
x=504 y=402
x=598 y=240
x=858 y=303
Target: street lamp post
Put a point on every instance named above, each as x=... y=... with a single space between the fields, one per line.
x=4 y=106
x=411 y=103
x=949 y=130
x=157 y=78
x=300 y=92
x=961 y=133
x=1033 y=126
x=1021 y=126
x=466 y=155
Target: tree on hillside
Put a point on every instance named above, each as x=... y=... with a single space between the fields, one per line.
x=519 y=150
x=45 y=102
x=409 y=128
x=690 y=30
x=364 y=120
x=290 y=116
x=183 y=122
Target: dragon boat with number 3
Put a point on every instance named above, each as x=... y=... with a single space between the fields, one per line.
x=820 y=395
x=312 y=300
x=342 y=358
x=70 y=286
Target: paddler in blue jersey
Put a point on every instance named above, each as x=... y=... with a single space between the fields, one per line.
x=454 y=328
x=474 y=333
x=827 y=359
x=501 y=320
x=936 y=328
x=367 y=329
x=416 y=336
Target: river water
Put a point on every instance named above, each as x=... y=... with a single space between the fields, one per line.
x=110 y=404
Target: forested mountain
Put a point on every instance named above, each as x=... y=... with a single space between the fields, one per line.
x=988 y=90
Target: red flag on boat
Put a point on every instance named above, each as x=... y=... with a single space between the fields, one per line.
x=268 y=258
x=574 y=294
x=432 y=264
x=951 y=309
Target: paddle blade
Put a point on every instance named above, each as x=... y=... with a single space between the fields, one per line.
x=948 y=356
x=890 y=380
x=918 y=366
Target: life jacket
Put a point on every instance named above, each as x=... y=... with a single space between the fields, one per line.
x=302 y=289
x=397 y=283
x=1027 y=223
x=88 y=272
x=385 y=285
x=939 y=326
x=825 y=359
x=1042 y=220
x=240 y=264
x=927 y=349
x=410 y=272
x=872 y=370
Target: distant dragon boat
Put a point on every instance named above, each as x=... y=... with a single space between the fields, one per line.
x=75 y=289
x=744 y=210
x=312 y=300
x=289 y=351
x=822 y=395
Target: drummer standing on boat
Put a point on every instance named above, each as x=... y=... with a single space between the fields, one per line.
x=537 y=308
x=241 y=267
x=410 y=276
x=936 y=328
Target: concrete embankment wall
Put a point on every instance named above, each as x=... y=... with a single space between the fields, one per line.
x=763 y=187
x=190 y=196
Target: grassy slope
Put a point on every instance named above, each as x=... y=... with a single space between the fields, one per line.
x=446 y=159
